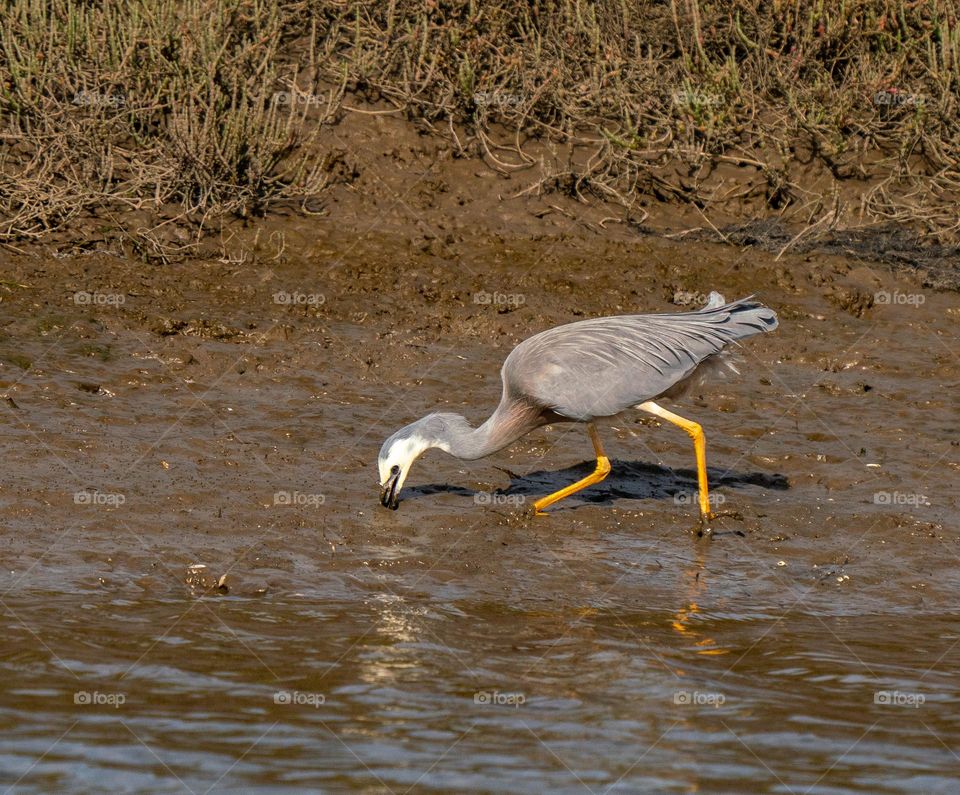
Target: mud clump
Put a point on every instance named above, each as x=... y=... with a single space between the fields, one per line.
x=850 y=299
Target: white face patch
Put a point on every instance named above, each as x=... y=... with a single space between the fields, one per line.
x=402 y=453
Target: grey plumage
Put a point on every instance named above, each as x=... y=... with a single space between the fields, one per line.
x=602 y=366
x=580 y=372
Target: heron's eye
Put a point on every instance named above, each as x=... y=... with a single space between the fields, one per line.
x=394 y=469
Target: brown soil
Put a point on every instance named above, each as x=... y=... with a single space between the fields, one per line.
x=202 y=396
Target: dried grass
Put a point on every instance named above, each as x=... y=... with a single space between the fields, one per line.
x=178 y=110
x=174 y=109
x=661 y=95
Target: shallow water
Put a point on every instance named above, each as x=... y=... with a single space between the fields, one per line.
x=459 y=644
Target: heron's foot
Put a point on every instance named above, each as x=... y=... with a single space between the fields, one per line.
x=540 y=505
x=602 y=470
x=705 y=525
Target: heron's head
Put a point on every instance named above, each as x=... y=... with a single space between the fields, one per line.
x=402 y=449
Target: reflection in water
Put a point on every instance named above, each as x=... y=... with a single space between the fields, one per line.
x=382 y=662
x=684 y=621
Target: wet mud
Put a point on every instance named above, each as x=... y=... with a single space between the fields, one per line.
x=201 y=591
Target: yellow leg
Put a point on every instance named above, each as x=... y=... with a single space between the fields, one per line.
x=699 y=448
x=602 y=470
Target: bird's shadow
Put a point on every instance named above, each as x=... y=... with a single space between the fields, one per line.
x=631 y=480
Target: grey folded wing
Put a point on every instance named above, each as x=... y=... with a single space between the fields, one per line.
x=602 y=366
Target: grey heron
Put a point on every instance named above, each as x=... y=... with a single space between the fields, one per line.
x=582 y=372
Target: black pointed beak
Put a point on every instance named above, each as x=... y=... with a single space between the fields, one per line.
x=389 y=498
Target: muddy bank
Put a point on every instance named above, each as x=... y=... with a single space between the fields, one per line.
x=229 y=413
x=202 y=592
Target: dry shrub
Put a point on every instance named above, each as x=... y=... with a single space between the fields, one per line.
x=171 y=107
x=180 y=110
x=662 y=93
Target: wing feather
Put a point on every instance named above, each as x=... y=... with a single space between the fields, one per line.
x=602 y=366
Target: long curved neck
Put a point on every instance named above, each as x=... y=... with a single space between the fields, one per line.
x=508 y=423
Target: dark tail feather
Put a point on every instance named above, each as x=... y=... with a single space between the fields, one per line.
x=746 y=316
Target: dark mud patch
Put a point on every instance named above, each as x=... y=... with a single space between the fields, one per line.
x=902 y=250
